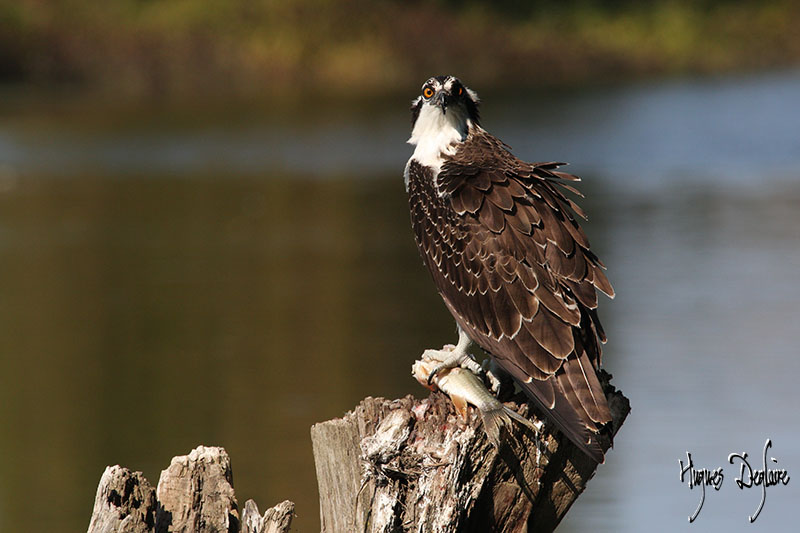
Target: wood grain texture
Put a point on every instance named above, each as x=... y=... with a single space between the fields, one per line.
x=125 y=503
x=414 y=465
x=195 y=494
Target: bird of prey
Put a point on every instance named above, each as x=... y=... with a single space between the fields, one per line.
x=513 y=266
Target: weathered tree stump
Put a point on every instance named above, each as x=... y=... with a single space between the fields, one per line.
x=195 y=494
x=125 y=503
x=387 y=466
x=414 y=465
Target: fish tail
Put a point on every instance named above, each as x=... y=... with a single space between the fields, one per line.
x=497 y=417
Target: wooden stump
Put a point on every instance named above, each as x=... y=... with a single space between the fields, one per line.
x=414 y=465
x=125 y=503
x=195 y=494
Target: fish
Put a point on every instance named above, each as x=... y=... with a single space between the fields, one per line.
x=464 y=387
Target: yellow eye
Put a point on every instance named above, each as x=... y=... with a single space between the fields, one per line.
x=427 y=92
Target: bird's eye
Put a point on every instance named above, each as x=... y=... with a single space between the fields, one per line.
x=427 y=92
x=460 y=90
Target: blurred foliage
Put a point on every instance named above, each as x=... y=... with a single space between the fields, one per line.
x=258 y=47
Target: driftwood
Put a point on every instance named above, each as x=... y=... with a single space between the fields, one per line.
x=387 y=466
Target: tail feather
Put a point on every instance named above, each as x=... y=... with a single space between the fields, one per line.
x=586 y=390
x=575 y=424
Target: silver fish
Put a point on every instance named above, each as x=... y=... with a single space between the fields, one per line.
x=464 y=387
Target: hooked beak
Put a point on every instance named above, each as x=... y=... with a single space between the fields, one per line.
x=441 y=99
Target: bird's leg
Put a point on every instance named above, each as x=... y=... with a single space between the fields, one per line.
x=452 y=356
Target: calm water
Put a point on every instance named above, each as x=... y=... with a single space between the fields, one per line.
x=169 y=279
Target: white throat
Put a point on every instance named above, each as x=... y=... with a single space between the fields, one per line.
x=436 y=134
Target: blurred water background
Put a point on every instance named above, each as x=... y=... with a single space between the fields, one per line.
x=175 y=273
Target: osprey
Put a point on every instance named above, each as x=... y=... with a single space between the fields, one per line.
x=500 y=239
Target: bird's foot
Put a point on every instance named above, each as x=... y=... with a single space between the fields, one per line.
x=494 y=382
x=450 y=357
x=500 y=382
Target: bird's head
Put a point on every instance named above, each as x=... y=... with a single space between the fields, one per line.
x=445 y=98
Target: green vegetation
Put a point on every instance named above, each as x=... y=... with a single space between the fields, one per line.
x=241 y=47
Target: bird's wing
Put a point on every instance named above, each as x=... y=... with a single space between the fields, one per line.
x=515 y=270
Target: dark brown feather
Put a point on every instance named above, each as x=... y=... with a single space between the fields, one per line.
x=571 y=189
x=565 y=176
x=508 y=316
x=523 y=299
x=578 y=267
x=514 y=188
x=581 y=375
x=492 y=217
x=500 y=196
x=470 y=198
x=518 y=219
x=584 y=292
x=458 y=204
x=554 y=230
x=481 y=181
x=551 y=333
x=576 y=233
x=599 y=332
x=601 y=281
x=527 y=277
